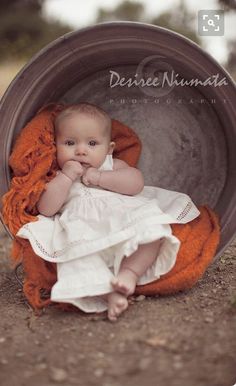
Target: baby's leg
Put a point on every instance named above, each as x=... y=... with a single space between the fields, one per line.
x=134 y=266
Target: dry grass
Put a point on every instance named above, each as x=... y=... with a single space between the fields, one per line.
x=8 y=71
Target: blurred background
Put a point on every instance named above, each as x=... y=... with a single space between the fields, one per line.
x=28 y=25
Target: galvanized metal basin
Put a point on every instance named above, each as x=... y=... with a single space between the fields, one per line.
x=187 y=130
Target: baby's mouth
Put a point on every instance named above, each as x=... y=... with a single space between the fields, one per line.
x=85 y=164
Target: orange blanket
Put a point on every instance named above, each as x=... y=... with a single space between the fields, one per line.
x=33 y=162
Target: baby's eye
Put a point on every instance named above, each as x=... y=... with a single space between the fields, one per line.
x=69 y=142
x=92 y=143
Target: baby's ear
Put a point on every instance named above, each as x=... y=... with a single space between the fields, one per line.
x=111 y=147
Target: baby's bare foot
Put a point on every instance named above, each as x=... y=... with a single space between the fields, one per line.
x=125 y=282
x=117 y=303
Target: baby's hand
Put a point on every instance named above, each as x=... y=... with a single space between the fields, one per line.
x=91 y=176
x=72 y=169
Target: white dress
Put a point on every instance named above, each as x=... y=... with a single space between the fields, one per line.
x=96 y=228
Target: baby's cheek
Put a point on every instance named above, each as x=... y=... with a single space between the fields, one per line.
x=62 y=157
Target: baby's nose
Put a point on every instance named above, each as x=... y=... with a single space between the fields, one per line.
x=81 y=149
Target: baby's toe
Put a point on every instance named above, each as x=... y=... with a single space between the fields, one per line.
x=117 y=303
x=112 y=316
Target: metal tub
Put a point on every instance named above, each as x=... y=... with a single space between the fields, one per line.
x=188 y=131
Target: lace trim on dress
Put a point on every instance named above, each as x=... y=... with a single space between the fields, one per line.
x=73 y=243
x=185 y=211
x=60 y=252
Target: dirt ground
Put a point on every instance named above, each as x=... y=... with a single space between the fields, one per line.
x=184 y=340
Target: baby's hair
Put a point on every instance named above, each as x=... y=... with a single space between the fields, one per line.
x=85 y=108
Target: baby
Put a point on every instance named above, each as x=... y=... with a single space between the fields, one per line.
x=83 y=140
x=106 y=231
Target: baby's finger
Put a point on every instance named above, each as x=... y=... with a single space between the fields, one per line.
x=80 y=169
x=81 y=172
x=85 y=181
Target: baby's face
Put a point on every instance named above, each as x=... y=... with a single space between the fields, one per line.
x=82 y=138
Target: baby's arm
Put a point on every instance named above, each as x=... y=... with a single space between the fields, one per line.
x=57 y=189
x=122 y=179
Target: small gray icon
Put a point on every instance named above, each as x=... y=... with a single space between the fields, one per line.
x=211 y=22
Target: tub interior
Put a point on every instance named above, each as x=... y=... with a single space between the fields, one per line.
x=187 y=133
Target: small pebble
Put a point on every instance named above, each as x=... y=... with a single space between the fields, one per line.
x=3 y=361
x=187 y=318
x=41 y=366
x=156 y=341
x=19 y=354
x=178 y=365
x=58 y=375
x=71 y=360
x=2 y=339
x=140 y=298
x=99 y=373
x=209 y=319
